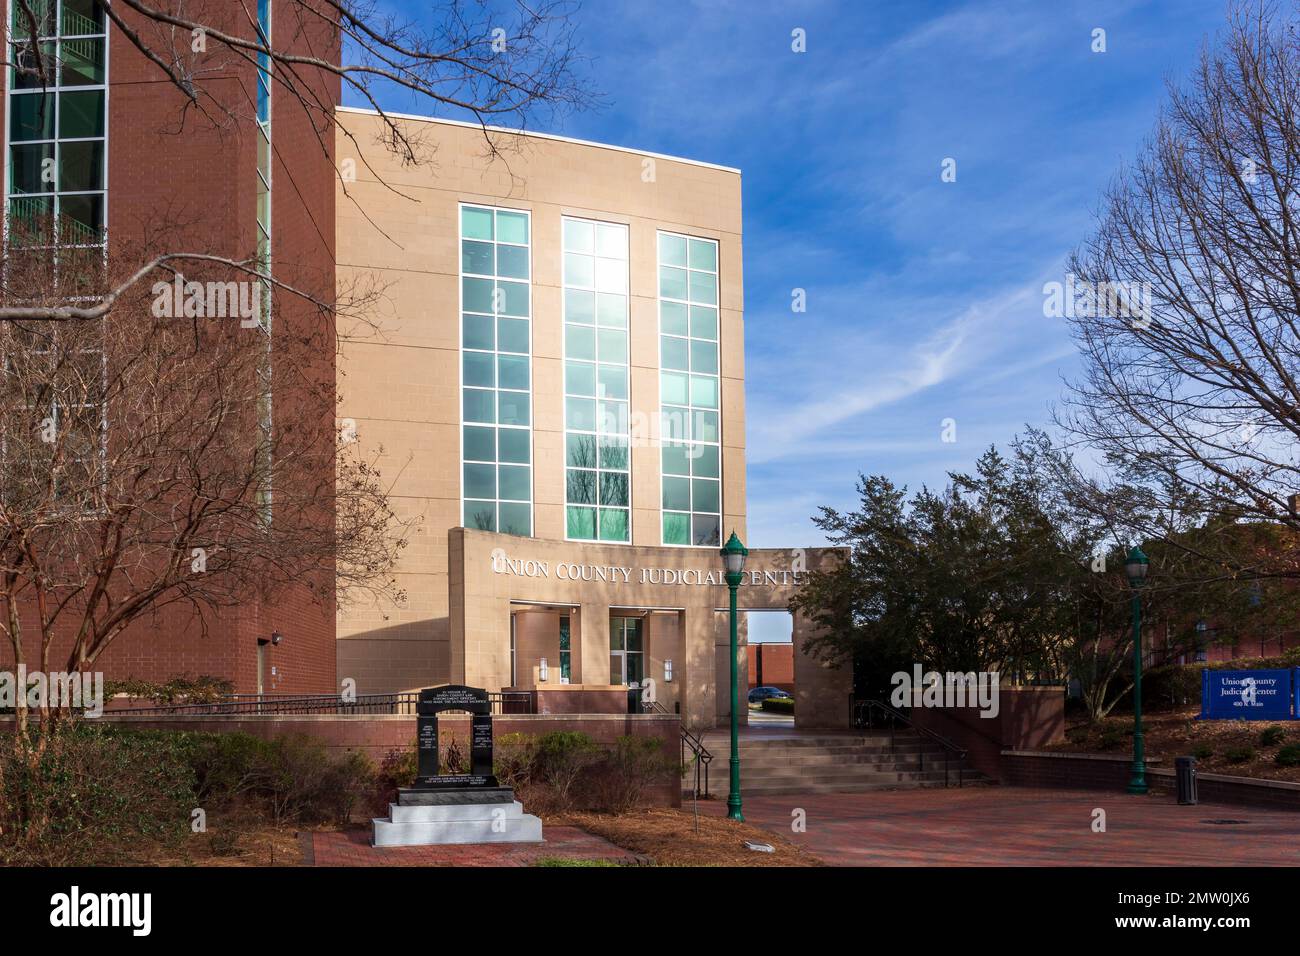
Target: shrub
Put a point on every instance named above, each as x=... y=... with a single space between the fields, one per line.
x=224 y=841
x=305 y=785
x=1239 y=754
x=514 y=760
x=227 y=767
x=633 y=764
x=1111 y=738
x=563 y=757
x=1169 y=686
x=779 y=705
x=399 y=768
x=1202 y=751
x=99 y=793
x=92 y=795
x=203 y=689
x=1288 y=756
x=1271 y=736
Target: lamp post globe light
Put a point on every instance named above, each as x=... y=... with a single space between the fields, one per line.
x=1135 y=566
x=733 y=563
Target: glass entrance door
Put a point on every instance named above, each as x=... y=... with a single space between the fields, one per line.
x=626 y=651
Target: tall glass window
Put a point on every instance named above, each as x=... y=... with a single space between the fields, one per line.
x=265 y=400
x=264 y=154
x=689 y=391
x=496 y=371
x=596 y=476
x=626 y=653
x=55 y=208
x=566 y=650
x=57 y=122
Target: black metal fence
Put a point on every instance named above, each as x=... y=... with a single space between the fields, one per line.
x=502 y=702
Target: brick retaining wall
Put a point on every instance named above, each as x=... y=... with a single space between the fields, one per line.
x=1028 y=717
x=1052 y=769
x=377 y=734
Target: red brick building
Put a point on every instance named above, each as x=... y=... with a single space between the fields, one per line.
x=244 y=171
x=771 y=665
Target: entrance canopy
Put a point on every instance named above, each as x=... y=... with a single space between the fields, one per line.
x=679 y=591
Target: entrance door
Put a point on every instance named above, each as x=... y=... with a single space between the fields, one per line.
x=626 y=651
x=566 y=650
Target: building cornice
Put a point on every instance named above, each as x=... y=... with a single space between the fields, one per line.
x=535 y=135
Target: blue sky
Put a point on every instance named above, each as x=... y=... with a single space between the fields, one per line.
x=924 y=298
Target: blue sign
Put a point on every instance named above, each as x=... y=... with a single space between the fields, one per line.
x=1246 y=695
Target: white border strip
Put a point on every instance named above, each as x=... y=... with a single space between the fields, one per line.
x=550 y=136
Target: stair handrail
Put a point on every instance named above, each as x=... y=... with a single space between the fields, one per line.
x=950 y=749
x=701 y=758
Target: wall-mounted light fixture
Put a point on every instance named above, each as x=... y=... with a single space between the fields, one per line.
x=542 y=671
x=276 y=637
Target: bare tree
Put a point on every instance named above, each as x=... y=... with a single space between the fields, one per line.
x=137 y=479
x=499 y=62
x=1191 y=381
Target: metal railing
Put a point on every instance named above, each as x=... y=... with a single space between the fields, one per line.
x=862 y=715
x=700 y=756
x=502 y=702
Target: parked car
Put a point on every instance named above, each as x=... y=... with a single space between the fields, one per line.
x=760 y=694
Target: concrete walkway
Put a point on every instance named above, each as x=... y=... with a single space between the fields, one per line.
x=1013 y=826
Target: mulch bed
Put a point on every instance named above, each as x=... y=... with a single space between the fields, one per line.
x=258 y=846
x=1170 y=734
x=668 y=837
x=662 y=837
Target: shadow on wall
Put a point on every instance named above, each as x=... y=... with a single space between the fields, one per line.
x=1029 y=717
x=398 y=657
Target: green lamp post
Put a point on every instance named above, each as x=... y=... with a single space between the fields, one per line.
x=733 y=561
x=1135 y=566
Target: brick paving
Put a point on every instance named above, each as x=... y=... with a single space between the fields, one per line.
x=1014 y=826
x=352 y=848
x=976 y=826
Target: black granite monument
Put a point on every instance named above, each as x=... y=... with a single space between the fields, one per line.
x=477 y=786
x=455 y=808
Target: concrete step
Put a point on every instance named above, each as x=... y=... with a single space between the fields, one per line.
x=816 y=757
x=829 y=763
x=776 y=790
x=798 y=743
x=455 y=812
x=431 y=824
x=911 y=746
x=852 y=770
x=899 y=770
x=521 y=829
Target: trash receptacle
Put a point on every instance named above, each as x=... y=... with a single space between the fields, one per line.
x=1185 y=772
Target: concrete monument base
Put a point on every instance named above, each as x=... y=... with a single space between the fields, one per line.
x=424 y=818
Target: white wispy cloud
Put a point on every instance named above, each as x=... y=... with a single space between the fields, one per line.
x=830 y=381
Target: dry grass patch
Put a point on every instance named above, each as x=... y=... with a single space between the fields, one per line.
x=670 y=838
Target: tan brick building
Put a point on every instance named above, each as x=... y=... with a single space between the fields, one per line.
x=561 y=372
